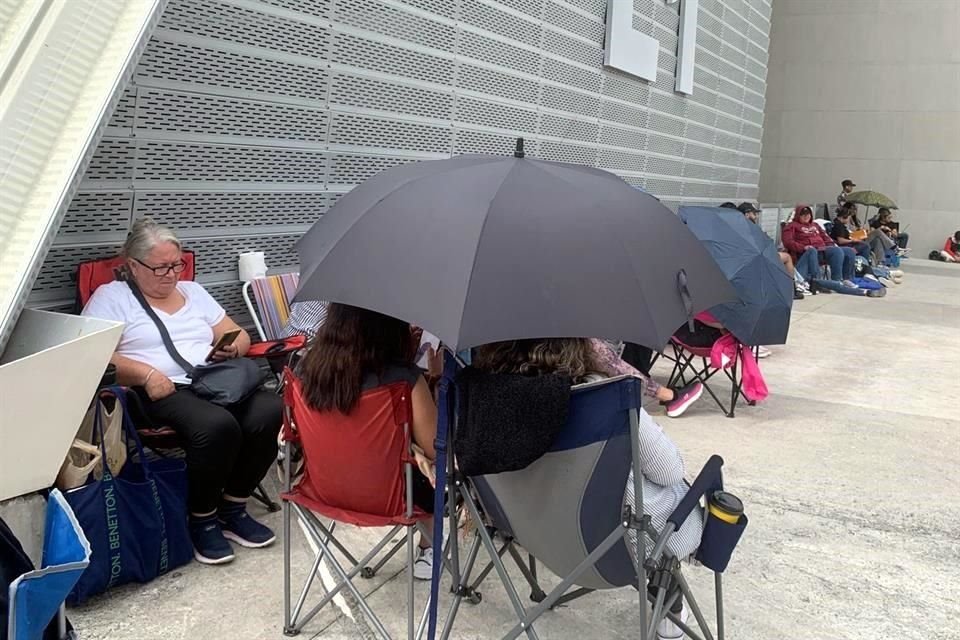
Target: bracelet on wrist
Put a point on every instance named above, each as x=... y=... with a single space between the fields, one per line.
x=147 y=379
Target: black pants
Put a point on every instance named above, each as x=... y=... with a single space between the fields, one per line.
x=638 y=357
x=229 y=449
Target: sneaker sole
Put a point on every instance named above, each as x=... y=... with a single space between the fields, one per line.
x=679 y=411
x=232 y=537
x=422 y=577
x=202 y=559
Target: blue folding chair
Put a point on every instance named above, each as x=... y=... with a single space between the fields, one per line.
x=567 y=510
x=37 y=596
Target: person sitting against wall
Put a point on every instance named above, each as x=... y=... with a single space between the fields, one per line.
x=951 y=248
x=877 y=241
x=358 y=350
x=228 y=449
x=807 y=242
x=884 y=222
x=661 y=463
x=840 y=233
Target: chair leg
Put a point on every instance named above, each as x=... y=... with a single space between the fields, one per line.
x=536 y=594
x=501 y=570
x=345 y=578
x=735 y=390
x=410 y=593
x=718 y=589
x=461 y=590
x=694 y=607
x=287 y=542
x=260 y=495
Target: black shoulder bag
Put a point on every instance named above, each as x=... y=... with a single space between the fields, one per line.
x=222 y=383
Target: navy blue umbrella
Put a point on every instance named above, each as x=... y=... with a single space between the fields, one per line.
x=749 y=259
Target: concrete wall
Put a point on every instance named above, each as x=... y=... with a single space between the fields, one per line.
x=867 y=90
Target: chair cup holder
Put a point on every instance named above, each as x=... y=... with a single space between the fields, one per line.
x=718 y=542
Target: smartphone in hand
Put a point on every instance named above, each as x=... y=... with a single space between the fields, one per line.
x=226 y=339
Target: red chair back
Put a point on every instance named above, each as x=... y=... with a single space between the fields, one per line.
x=91 y=275
x=353 y=463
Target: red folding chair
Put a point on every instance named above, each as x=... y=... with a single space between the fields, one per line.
x=93 y=274
x=687 y=370
x=357 y=469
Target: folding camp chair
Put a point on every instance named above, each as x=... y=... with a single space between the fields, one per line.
x=37 y=597
x=566 y=509
x=687 y=370
x=357 y=469
x=94 y=273
x=271 y=310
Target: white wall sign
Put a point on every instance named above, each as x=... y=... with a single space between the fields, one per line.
x=636 y=53
x=627 y=49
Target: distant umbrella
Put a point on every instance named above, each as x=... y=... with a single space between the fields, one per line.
x=871 y=199
x=749 y=259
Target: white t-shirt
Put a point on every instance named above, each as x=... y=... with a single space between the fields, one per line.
x=190 y=328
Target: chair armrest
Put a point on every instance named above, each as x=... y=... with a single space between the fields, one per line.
x=276 y=347
x=708 y=480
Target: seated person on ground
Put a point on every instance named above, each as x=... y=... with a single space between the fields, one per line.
x=840 y=232
x=675 y=401
x=228 y=449
x=358 y=350
x=877 y=241
x=885 y=223
x=951 y=248
x=661 y=464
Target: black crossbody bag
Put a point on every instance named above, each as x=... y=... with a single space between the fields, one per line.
x=222 y=383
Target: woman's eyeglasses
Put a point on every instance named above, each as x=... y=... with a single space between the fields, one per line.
x=176 y=267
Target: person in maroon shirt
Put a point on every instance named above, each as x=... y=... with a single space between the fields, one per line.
x=807 y=242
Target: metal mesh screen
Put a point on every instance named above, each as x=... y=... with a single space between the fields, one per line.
x=247 y=119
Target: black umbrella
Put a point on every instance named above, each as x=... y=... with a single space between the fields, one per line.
x=749 y=258
x=479 y=249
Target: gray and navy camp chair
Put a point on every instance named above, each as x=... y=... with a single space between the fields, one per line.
x=566 y=510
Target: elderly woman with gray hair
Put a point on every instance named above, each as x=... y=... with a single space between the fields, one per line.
x=228 y=448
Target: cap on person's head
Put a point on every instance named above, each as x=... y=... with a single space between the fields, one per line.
x=847 y=183
x=728 y=205
x=747 y=207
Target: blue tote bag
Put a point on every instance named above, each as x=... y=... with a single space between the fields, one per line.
x=136 y=521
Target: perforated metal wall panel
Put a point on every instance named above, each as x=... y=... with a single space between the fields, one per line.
x=247 y=119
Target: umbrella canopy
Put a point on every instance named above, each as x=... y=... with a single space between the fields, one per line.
x=479 y=249
x=871 y=199
x=749 y=259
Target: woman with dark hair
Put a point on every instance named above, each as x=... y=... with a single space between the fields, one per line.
x=357 y=350
x=660 y=460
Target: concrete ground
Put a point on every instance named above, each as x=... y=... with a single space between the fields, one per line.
x=850 y=472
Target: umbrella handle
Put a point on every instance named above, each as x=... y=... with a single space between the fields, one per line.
x=684 y=290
